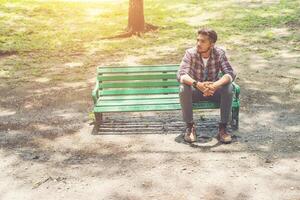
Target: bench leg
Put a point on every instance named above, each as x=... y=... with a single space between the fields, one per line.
x=98 y=120
x=235 y=119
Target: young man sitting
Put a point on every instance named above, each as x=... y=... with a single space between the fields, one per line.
x=198 y=75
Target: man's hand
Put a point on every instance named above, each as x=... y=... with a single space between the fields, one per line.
x=211 y=88
x=208 y=88
x=206 y=91
x=207 y=83
x=205 y=88
x=201 y=86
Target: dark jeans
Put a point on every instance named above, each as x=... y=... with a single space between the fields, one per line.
x=222 y=96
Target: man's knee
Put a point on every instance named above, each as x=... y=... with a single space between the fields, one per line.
x=184 y=89
x=227 y=89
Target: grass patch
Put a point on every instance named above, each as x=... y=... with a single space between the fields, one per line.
x=45 y=33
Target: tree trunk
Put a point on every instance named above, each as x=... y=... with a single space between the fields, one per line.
x=136 y=21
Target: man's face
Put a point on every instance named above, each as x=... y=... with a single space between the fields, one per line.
x=203 y=43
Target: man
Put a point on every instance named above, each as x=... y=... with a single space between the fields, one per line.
x=198 y=75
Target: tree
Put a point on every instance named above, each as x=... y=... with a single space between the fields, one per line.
x=136 y=21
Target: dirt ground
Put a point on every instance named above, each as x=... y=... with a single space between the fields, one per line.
x=50 y=151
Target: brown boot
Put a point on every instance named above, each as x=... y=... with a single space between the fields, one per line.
x=190 y=133
x=223 y=136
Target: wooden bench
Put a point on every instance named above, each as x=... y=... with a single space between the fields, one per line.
x=145 y=88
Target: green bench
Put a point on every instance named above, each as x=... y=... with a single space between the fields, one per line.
x=145 y=88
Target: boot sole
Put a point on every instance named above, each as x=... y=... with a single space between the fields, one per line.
x=222 y=141
x=189 y=140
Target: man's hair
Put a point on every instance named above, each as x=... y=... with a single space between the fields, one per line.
x=212 y=35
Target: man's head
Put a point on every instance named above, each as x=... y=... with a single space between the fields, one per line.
x=206 y=40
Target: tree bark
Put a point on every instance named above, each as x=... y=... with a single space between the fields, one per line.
x=136 y=20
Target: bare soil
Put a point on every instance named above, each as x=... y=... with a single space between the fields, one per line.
x=48 y=148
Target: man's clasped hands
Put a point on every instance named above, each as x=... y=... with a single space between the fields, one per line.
x=208 y=88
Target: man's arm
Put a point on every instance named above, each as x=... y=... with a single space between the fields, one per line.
x=185 y=66
x=183 y=72
x=186 y=79
x=222 y=81
x=226 y=68
x=228 y=77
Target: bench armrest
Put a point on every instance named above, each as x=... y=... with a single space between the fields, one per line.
x=236 y=90
x=95 y=93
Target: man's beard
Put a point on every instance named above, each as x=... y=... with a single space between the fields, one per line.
x=208 y=49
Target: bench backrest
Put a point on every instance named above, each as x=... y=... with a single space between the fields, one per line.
x=138 y=80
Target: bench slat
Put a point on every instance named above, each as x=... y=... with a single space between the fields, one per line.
x=136 y=97
x=167 y=68
x=136 y=108
x=137 y=102
x=147 y=101
x=139 y=84
x=139 y=91
x=137 y=77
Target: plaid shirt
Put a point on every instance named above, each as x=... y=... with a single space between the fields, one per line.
x=192 y=65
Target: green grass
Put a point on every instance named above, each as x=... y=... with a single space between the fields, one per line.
x=44 y=34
